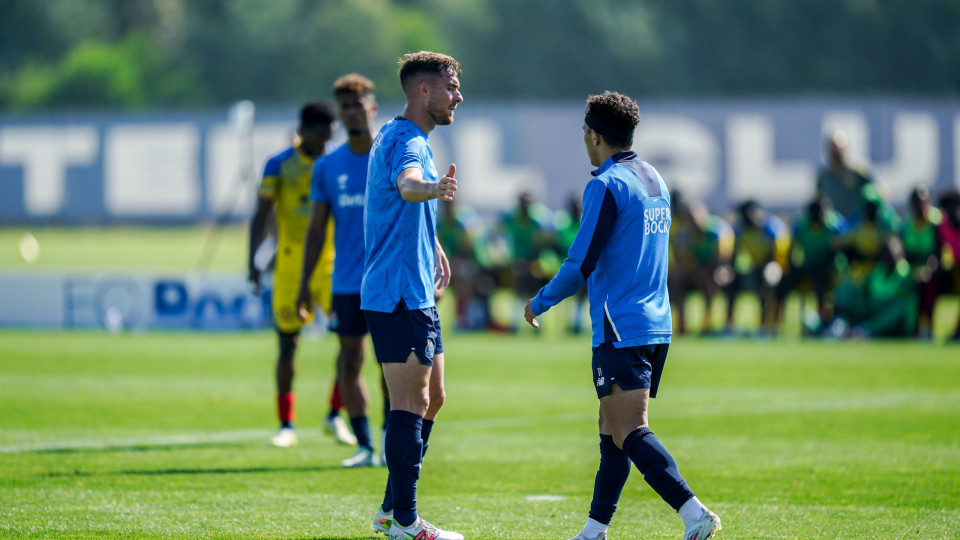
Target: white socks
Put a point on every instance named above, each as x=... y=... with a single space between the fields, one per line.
x=593 y=528
x=691 y=510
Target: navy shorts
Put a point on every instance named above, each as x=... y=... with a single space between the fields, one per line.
x=396 y=335
x=346 y=317
x=630 y=367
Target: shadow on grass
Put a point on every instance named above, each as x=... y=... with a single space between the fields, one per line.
x=362 y=536
x=194 y=471
x=342 y=537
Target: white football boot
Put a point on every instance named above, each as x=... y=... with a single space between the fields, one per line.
x=421 y=530
x=284 y=438
x=362 y=458
x=703 y=528
x=337 y=428
x=382 y=521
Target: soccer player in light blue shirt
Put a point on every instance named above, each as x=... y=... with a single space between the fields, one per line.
x=337 y=188
x=621 y=252
x=403 y=263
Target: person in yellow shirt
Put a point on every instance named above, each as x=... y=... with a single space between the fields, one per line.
x=759 y=256
x=283 y=198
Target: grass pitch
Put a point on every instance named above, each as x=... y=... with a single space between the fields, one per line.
x=165 y=436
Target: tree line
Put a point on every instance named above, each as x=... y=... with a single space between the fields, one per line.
x=142 y=54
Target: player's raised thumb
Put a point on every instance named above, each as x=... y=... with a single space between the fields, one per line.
x=453 y=170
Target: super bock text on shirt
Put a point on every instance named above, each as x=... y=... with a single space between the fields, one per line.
x=656 y=220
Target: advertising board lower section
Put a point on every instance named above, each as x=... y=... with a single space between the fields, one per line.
x=119 y=302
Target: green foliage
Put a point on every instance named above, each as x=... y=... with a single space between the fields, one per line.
x=133 y=73
x=136 y=53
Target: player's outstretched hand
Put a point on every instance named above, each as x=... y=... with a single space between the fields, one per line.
x=448 y=184
x=530 y=316
x=303 y=304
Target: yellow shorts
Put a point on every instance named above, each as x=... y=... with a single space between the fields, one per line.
x=286 y=285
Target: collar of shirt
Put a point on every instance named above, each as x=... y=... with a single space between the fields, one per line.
x=400 y=118
x=619 y=157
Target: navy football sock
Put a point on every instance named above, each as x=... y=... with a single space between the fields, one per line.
x=387 y=504
x=611 y=476
x=404 y=452
x=425 y=435
x=657 y=466
x=361 y=429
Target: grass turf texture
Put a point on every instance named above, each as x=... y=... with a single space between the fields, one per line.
x=165 y=436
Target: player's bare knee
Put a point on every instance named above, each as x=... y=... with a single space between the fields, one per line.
x=349 y=368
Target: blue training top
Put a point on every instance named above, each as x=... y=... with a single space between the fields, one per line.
x=399 y=236
x=340 y=179
x=621 y=252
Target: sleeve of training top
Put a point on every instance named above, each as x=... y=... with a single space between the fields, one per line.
x=270 y=182
x=596 y=224
x=412 y=156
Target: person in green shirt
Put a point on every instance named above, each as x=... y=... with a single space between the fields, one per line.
x=811 y=262
x=528 y=233
x=566 y=223
x=838 y=181
x=890 y=309
x=455 y=237
x=922 y=248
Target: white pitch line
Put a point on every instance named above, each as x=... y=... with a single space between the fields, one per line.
x=545 y=497
x=148 y=440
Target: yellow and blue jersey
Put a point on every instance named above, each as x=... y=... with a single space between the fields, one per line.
x=756 y=246
x=286 y=182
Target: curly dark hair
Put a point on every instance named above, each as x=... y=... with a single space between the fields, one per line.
x=413 y=64
x=617 y=110
x=353 y=84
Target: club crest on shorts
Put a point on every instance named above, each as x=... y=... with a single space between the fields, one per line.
x=428 y=350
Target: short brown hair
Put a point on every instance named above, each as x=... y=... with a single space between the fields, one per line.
x=617 y=111
x=413 y=64
x=353 y=84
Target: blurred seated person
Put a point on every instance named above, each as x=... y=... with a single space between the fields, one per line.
x=922 y=248
x=759 y=256
x=884 y=304
x=700 y=243
x=811 y=261
x=949 y=234
x=863 y=241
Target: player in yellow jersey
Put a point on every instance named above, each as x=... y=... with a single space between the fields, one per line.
x=284 y=194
